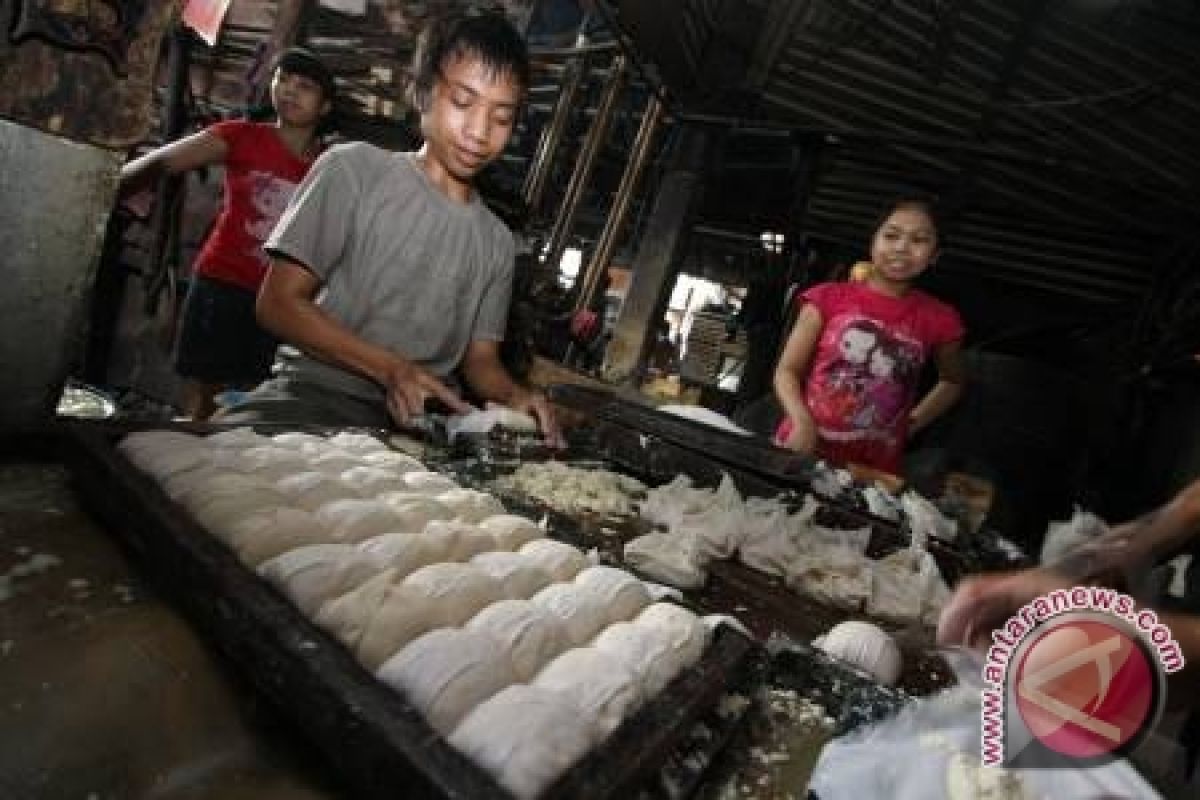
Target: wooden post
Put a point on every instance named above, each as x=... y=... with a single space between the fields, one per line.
x=656 y=263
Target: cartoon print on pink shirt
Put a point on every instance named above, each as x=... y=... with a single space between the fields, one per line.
x=269 y=195
x=847 y=375
x=867 y=385
x=891 y=367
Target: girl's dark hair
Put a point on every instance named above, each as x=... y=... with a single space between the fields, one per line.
x=488 y=36
x=299 y=61
x=928 y=203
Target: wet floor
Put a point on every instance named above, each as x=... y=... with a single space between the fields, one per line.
x=105 y=691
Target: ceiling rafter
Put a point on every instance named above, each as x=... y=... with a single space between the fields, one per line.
x=1030 y=19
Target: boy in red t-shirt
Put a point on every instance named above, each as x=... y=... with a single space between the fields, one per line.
x=220 y=345
x=848 y=376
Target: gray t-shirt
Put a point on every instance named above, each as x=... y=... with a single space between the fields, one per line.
x=402 y=265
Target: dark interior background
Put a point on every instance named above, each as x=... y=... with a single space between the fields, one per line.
x=1060 y=136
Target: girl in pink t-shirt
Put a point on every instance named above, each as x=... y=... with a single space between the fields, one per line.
x=848 y=377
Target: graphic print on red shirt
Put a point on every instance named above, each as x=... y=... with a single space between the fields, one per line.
x=861 y=391
x=261 y=174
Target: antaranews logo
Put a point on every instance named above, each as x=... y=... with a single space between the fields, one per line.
x=1076 y=677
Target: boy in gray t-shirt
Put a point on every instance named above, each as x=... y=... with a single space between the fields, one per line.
x=389 y=275
x=437 y=277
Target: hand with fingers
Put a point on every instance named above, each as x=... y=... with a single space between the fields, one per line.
x=409 y=387
x=983 y=603
x=537 y=406
x=803 y=436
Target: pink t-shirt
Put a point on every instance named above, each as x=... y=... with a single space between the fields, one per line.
x=865 y=372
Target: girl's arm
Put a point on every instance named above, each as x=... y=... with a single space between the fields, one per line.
x=951 y=375
x=790 y=373
x=191 y=152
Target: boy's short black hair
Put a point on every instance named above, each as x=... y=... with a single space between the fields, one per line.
x=488 y=36
x=300 y=61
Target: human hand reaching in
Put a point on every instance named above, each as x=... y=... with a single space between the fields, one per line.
x=983 y=603
x=803 y=436
x=409 y=386
x=537 y=406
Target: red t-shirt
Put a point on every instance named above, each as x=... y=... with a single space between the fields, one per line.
x=260 y=176
x=867 y=367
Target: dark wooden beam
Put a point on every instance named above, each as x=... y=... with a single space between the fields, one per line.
x=963 y=185
x=657 y=261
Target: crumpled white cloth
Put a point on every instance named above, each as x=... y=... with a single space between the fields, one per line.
x=482 y=421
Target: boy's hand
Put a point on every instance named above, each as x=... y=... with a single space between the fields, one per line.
x=409 y=386
x=537 y=406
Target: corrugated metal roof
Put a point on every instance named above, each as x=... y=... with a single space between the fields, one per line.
x=1064 y=134
x=1100 y=129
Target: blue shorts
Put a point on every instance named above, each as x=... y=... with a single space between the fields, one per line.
x=219 y=339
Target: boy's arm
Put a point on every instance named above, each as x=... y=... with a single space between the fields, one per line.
x=791 y=371
x=191 y=152
x=952 y=373
x=482 y=368
x=286 y=308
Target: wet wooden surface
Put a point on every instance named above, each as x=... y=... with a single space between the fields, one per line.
x=768 y=606
x=105 y=691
